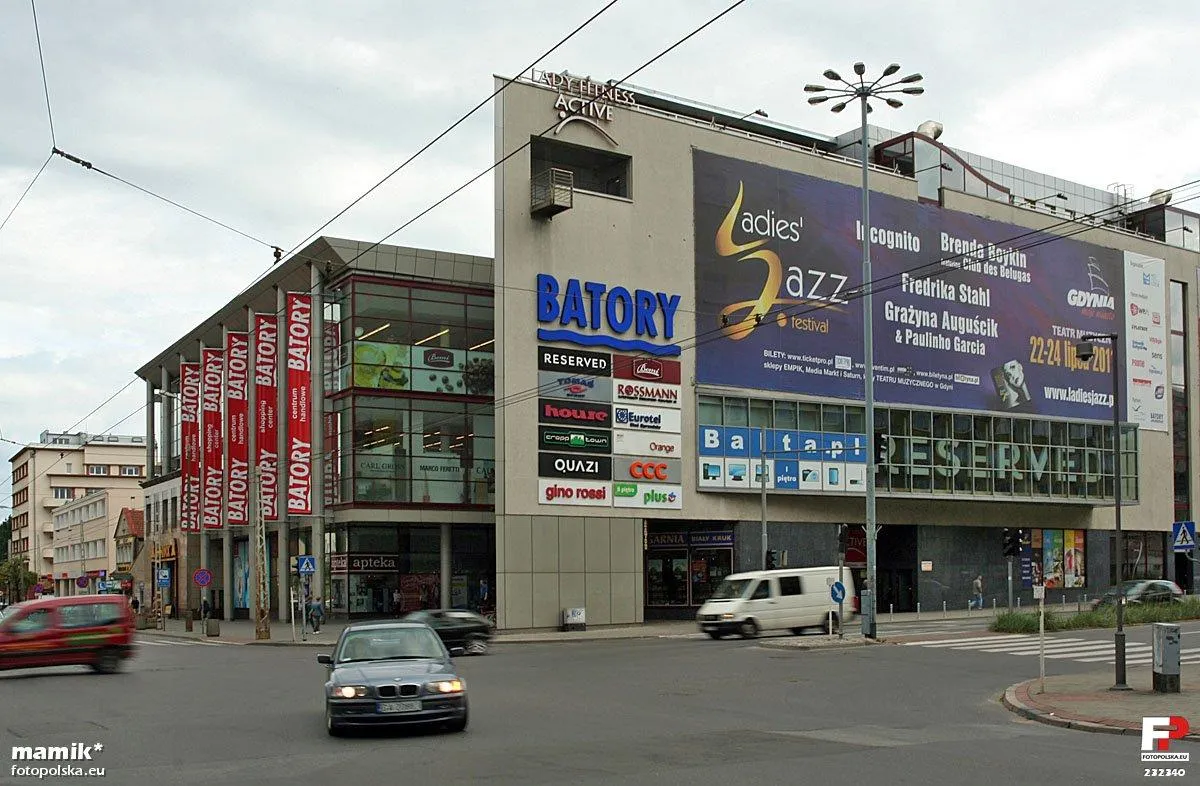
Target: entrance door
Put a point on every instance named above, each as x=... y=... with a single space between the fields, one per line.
x=667 y=578
x=897 y=586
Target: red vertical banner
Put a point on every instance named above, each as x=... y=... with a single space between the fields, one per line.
x=212 y=476
x=266 y=390
x=189 y=447
x=237 y=432
x=299 y=385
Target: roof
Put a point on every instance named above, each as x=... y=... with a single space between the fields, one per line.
x=384 y=624
x=135 y=520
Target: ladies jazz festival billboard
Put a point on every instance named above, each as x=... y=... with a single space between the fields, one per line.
x=968 y=313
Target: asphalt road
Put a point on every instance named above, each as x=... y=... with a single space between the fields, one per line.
x=656 y=711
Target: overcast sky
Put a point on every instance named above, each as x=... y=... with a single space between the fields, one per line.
x=272 y=116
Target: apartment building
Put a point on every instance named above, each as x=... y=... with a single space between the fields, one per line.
x=85 y=549
x=60 y=468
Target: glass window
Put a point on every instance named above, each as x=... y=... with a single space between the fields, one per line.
x=833 y=418
x=1178 y=375
x=856 y=420
x=785 y=414
x=709 y=411
x=809 y=416
x=1177 y=308
x=735 y=412
x=760 y=413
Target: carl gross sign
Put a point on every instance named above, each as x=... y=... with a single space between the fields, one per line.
x=565 y=465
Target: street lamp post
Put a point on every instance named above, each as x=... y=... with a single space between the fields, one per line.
x=864 y=91
x=1085 y=350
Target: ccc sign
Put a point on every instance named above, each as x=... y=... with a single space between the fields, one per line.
x=655 y=470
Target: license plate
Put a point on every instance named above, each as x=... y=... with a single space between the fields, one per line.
x=399 y=706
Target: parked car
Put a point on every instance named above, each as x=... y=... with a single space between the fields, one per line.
x=458 y=628
x=85 y=630
x=1141 y=591
x=392 y=673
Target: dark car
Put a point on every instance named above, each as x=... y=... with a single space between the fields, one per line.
x=392 y=674
x=1142 y=591
x=457 y=628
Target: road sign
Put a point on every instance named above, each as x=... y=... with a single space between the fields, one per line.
x=102 y=586
x=1183 y=536
x=164 y=577
x=837 y=591
x=81 y=582
x=306 y=565
x=202 y=577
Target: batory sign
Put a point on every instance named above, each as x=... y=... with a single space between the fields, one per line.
x=266 y=448
x=299 y=380
x=591 y=314
x=212 y=471
x=237 y=412
x=189 y=432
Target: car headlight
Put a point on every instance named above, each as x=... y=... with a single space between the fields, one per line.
x=726 y=616
x=445 y=686
x=348 y=691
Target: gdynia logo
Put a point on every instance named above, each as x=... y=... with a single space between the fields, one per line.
x=1081 y=299
x=799 y=287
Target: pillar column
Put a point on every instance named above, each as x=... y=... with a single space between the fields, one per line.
x=446 y=565
x=317 y=397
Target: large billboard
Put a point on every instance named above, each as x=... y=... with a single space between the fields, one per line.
x=968 y=313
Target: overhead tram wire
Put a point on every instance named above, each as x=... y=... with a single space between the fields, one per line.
x=45 y=83
x=29 y=187
x=454 y=125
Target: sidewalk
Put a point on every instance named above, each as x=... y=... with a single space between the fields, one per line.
x=242 y=631
x=1084 y=702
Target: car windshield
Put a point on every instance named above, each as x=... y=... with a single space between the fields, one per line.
x=1125 y=588
x=730 y=589
x=389 y=644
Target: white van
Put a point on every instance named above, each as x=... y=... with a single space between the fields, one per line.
x=765 y=600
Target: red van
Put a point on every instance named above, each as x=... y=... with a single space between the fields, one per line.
x=85 y=630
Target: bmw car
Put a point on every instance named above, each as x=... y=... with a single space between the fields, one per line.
x=392 y=674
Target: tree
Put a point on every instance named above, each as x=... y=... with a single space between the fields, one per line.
x=16 y=579
x=5 y=536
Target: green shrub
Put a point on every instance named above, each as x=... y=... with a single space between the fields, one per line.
x=1104 y=617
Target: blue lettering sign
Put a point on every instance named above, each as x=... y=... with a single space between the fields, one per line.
x=590 y=306
x=787 y=474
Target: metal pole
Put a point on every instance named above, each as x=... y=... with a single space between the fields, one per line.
x=762 y=481
x=868 y=594
x=262 y=581
x=841 y=603
x=1042 y=642
x=1010 y=585
x=1119 y=636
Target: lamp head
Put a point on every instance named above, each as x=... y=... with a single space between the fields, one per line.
x=818 y=99
x=911 y=78
x=837 y=108
x=893 y=68
x=1085 y=350
x=913 y=91
x=895 y=103
x=815 y=88
x=831 y=74
x=860 y=69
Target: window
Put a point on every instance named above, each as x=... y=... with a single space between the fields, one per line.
x=598 y=171
x=790 y=585
x=33 y=622
x=63 y=493
x=97 y=469
x=762 y=591
x=131 y=471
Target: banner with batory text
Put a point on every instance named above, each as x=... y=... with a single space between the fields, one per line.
x=299 y=385
x=266 y=390
x=189 y=449
x=212 y=470
x=237 y=412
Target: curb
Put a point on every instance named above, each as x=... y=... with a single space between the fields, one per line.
x=1014 y=704
x=780 y=645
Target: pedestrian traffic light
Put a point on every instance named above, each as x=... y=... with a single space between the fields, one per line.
x=843 y=538
x=772 y=561
x=1012 y=542
x=881 y=448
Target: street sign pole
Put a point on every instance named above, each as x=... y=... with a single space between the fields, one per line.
x=262 y=596
x=842 y=581
x=1010 y=585
x=1040 y=591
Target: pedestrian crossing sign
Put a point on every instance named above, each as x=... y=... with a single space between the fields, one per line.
x=1183 y=536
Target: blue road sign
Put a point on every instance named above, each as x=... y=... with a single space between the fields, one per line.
x=164 y=577
x=306 y=565
x=1183 y=536
x=837 y=591
x=202 y=577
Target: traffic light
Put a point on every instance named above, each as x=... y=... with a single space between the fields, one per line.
x=772 y=560
x=1012 y=542
x=843 y=538
x=881 y=448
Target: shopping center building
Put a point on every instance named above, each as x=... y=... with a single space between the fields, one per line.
x=580 y=423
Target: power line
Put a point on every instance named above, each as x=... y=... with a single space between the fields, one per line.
x=456 y=124
x=89 y=166
x=42 y=60
x=21 y=198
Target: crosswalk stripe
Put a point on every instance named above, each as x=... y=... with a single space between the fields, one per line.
x=1081 y=646
x=953 y=642
x=1017 y=645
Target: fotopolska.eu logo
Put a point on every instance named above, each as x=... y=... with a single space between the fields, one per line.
x=1157 y=733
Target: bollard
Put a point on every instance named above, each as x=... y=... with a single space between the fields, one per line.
x=993 y=605
x=1018 y=604
x=943 y=609
x=1064 y=600
x=918 y=611
x=831 y=623
x=892 y=611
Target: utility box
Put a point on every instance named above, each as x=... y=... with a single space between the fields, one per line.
x=212 y=627
x=574 y=619
x=1166 y=657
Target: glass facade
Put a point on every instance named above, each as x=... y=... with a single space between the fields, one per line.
x=937 y=452
x=1179 y=401
x=411 y=375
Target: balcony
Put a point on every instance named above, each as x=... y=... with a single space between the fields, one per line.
x=48 y=528
x=53 y=502
x=48 y=553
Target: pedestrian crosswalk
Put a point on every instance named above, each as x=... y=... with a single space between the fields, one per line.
x=167 y=642
x=1075 y=649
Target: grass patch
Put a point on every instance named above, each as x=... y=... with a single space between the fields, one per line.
x=1105 y=617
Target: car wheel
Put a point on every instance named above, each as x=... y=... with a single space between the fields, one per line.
x=748 y=629
x=108 y=661
x=712 y=634
x=333 y=729
x=476 y=644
